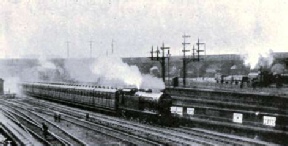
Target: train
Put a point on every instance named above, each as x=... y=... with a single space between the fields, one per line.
x=254 y=79
x=126 y=102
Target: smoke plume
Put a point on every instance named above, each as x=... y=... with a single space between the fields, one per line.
x=278 y=68
x=33 y=71
x=114 y=69
x=258 y=58
x=79 y=70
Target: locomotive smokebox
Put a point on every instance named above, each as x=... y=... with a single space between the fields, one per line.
x=1 y=86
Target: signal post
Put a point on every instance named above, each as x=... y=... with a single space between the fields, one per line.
x=162 y=59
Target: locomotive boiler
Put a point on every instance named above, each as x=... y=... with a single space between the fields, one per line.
x=127 y=102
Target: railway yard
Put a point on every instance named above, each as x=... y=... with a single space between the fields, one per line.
x=75 y=128
x=204 y=112
x=143 y=73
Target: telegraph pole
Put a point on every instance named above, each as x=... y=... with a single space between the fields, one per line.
x=160 y=59
x=67 y=45
x=184 y=57
x=91 y=43
x=198 y=50
x=168 y=63
x=194 y=58
x=163 y=48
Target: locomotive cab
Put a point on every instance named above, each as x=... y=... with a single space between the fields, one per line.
x=146 y=105
x=129 y=91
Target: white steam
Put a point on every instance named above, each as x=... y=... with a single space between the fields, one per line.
x=278 y=68
x=78 y=70
x=110 y=71
x=10 y=84
x=255 y=58
x=149 y=82
x=44 y=64
x=114 y=69
x=105 y=71
x=33 y=72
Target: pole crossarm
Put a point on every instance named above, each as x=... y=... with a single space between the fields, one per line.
x=161 y=59
x=195 y=52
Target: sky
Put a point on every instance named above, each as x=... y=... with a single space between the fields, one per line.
x=30 y=28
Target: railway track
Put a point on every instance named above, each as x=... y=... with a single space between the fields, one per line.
x=125 y=138
x=35 y=129
x=222 y=140
x=130 y=127
x=53 y=127
x=170 y=135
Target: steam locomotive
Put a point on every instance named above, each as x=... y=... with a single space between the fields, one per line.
x=254 y=79
x=128 y=102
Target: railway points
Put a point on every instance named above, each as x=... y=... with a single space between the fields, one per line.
x=15 y=134
x=132 y=116
x=57 y=130
x=46 y=137
x=135 y=124
x=104 y=134
x=78 y=129
x=126 y=126
x=217 y=73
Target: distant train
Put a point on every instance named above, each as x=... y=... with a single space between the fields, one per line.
x=125 y=102
x=254 y=79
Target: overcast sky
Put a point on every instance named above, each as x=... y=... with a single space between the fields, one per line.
x=43 y=27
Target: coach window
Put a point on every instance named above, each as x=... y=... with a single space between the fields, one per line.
x=101 y=98
x=122 y=98
x=94 y=93
x=83 y=92
x=78 y=92
x=87 y=92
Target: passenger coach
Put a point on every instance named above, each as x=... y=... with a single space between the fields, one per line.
x=128 y=102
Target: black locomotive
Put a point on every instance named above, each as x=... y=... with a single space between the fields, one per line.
x=128 y=102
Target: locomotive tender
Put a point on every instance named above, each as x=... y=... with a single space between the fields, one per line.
x=126 y=102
